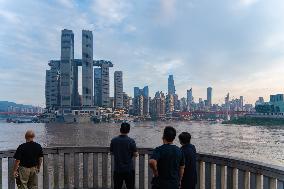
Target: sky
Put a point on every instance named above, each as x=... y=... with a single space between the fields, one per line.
x=234 y=46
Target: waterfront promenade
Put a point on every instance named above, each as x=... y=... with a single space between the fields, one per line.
x=92 y=167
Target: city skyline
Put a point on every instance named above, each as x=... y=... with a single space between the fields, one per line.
x=243 y=58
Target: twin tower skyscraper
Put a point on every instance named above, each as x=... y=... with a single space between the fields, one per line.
x=63 y=91
x=69 y=70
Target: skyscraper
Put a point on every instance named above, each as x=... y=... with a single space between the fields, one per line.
x=98 y=87
x=189 y=99
x=146 y=103
x=171 y=85
x=87 y=68
x=209 y=96
x=105 y=85
x=68 y=75
x=141 y=96
x=102 y=83
x=67 y=56
x=170 y=103
x=136 y=91
x=126 y=102
x=118 y=90
x=158 y=105
x=52 y=84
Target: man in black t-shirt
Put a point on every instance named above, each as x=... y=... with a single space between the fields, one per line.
x=167 y=163
x=123 y=149
x=28 y=161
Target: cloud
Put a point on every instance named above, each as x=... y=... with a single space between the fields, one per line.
x=168 y=9
x=110 y=11
x=66 y=3
x=248 y=2
x=202 y=43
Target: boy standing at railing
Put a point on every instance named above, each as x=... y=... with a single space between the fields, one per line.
x=189 y=179
x=167 y=163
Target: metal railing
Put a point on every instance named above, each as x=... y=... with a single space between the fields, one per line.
x=92 y=167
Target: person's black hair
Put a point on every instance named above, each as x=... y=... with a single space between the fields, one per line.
x=184 y=138
x=125 y=128
x=169 y=134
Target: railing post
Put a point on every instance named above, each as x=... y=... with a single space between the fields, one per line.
x=213 y=176
x=85 y=170
x=141 y=171
x=45 y=172
x=66 y=171
x=112 y=171
x=11 y=179
x=105 y=170
x=235 y=178
x=259 y=181
x=76 y=170
x=56 y=170
x=223 y=177
x=150 y=174
x=202 y=175
x=247 y=180
x=273 y=183
x=95 y=171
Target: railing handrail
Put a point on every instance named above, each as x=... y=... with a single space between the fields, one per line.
x=241 y=164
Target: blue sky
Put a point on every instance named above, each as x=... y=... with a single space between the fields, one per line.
x=234 y=46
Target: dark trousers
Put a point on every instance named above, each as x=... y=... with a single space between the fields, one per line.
x=188 y=186
x=128 y=178
x=188 y=182
x=157 y=183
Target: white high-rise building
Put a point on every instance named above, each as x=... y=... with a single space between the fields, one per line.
x=118 y=90
x=87 y=68
x=66 y=72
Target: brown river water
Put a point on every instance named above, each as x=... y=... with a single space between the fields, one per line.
x=258 y=143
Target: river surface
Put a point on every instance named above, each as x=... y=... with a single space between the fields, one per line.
x=257 y=143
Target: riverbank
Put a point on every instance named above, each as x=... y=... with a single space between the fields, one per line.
x=255 y=121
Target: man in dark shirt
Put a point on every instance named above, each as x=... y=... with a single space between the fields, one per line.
x=28 y=159
x=189 y=179
x=124 y=149
x=167 y=163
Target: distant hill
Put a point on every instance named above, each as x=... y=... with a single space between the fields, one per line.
x=5 y=104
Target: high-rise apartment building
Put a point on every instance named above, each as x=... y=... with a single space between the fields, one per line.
x=118 y=90
x=209 y=96
x=170 y=103
x=52 y=84
x=141 y=96
x=158 y=105
x=101 y=83
x=66 y=68
x=87 y=68
x=189 y=99
x=126 y=102
x=98 y=87
x=105 y=85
